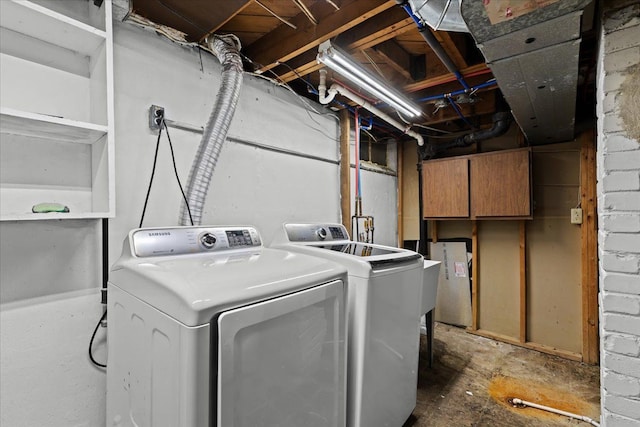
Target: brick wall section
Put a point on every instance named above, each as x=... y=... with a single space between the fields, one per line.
x=619 y=214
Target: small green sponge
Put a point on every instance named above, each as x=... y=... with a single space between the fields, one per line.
x=49 y=207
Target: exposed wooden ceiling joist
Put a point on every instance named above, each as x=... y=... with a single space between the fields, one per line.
x=474 y=70
x=450 y=47
x=285 y=43
x=377 y=33
x=195 y=18
x=374 y=31
x=395 y=55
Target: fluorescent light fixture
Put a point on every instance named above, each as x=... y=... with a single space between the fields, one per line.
x=344 y=65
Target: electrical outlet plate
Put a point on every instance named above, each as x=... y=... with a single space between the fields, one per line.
x=156 y=114
x=576 y=216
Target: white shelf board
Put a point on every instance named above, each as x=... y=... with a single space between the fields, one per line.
x=39 y=22
x=48 y=127
x=16 y=202
x=54 y=215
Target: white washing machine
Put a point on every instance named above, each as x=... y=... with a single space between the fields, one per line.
x=384 y=310
x=209 y=328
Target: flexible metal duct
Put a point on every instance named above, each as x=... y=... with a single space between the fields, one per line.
x=443 y=15
x=226 y=49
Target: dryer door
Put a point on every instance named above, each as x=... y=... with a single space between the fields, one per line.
x=282 y=362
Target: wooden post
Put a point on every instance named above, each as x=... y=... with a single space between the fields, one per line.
x=400 y=185
x=345 y=170
x=434 y=231
x=523 y=282
x=589 y=232
x=474 y=275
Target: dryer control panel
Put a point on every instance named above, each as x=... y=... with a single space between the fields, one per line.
x=316 y=232
x=149 y=242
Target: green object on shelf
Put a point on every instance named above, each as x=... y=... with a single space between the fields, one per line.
x=49 y=207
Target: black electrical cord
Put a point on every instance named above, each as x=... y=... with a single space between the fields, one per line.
x=104 y=315
x=153 y=172
x=175 y=170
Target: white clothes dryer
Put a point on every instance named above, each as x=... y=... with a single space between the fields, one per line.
x=384 y=310
x=206 y=327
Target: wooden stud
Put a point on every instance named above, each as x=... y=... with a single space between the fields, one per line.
x=434 y=231
x=345 y=169
x=589 y=233
x=474 y=275
x=400 y=185
x=523 y=282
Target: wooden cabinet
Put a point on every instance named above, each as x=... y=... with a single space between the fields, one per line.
x=445 y=188
x=56 y=108
x=500 y=184
x=487 y=185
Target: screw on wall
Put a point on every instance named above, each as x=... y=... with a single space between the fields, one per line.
x=156 y=115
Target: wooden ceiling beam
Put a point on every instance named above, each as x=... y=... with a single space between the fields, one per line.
x=450 y=47
x=195 y=18
x=474 y=70
x=374 y=31
x=395 y=55
x=285 y=43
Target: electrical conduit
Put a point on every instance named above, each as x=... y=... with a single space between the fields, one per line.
x=226 y=49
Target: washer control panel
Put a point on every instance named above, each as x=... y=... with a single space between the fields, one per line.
x=149 y=242
x=316 y=232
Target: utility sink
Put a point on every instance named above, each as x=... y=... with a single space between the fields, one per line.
x=430 y=285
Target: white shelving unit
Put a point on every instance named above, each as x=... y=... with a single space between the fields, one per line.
x=56 y=108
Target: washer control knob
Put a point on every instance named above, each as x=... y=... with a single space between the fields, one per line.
x=322 y=233
x=208 y=240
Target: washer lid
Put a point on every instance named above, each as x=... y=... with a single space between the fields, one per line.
x=331 y=241
x=192 y=287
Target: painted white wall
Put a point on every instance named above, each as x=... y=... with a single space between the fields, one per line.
x=379 y=200
x=50 y=271
x=379 y=188
x=249 y=185
x=618 y=173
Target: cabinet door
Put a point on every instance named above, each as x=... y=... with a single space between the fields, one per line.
x=445 y=188
x=500 y=184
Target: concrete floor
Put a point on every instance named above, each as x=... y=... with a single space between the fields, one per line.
x=472 y=379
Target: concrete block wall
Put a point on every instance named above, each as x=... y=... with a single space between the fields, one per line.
x=618 y=111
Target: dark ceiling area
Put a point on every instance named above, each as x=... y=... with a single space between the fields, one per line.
x=280 y=39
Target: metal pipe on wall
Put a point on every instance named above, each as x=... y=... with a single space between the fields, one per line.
x=326 y=96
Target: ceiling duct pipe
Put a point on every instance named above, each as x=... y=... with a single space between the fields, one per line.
x=431 y=40
x=227 y=50
x=441 y=15
x=534 y=55
x=501 y=123
x=326 y=96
